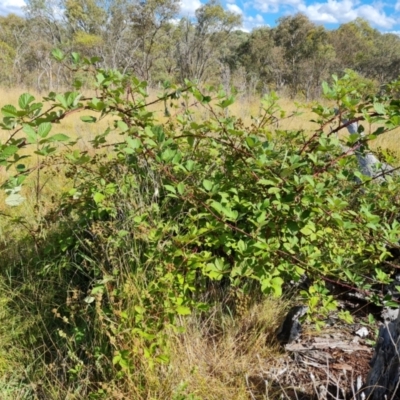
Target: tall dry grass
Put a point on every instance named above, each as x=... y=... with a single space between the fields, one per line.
x=246 y=108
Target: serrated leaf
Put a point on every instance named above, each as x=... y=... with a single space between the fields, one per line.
x=44 y=129
x=9 y=111
x=9 y=151
x=379 y=108
x=63 y=101
x=24 y=100
x=30 y=133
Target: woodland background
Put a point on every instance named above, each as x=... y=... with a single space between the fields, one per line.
x=147 y=39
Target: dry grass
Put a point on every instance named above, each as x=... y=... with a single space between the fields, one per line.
x=214 y=357
x=245 y=108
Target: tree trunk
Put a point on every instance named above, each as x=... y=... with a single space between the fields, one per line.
x=383 y=380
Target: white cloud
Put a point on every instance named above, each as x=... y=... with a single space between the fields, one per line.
x=273 y=6
x=188 y=7
x=234 y=8
x=342 y=11
x=397 y=6
x=250 y=22
x=11 y=6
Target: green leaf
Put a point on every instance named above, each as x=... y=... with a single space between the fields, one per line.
x=182 y=310
x=122 y=125
x=181 y=188
x=58 y=54
x=170 y=188
x=227 y=102
x=59 y=137
x=276 y=284
x=9 y=111
x=98 y=197
x=88 y=119
x=24 y=100
x=9 y=151
x=207 y=184
x=44 y=129
x=217 y=206
x=30 y=133
x=63 y=101
x=189 y=165
x=307 y=231
x=379 y=108
x=100 y=77
x=261 y=217
x=96 y=104
x=325 y=88
x=250 y=141
x=75 y=57
x=133 y=143
x=20 y=168
x=229 y=213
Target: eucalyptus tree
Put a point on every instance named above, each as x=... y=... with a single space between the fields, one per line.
x=201 y=41
x=306 y=50
x=87 y=16
x=147 y=22
x=12 y=45
x=44 y=17
x=262 y=60
x=354 y=44
x=383 y=63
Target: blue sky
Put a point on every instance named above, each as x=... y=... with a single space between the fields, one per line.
x=383 y=15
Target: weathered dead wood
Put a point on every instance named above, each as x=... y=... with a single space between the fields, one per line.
x=383 y=379
x=327 y=343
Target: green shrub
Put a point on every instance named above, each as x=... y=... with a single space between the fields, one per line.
x=184 y=213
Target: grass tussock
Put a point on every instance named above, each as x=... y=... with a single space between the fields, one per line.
x=214 y=366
